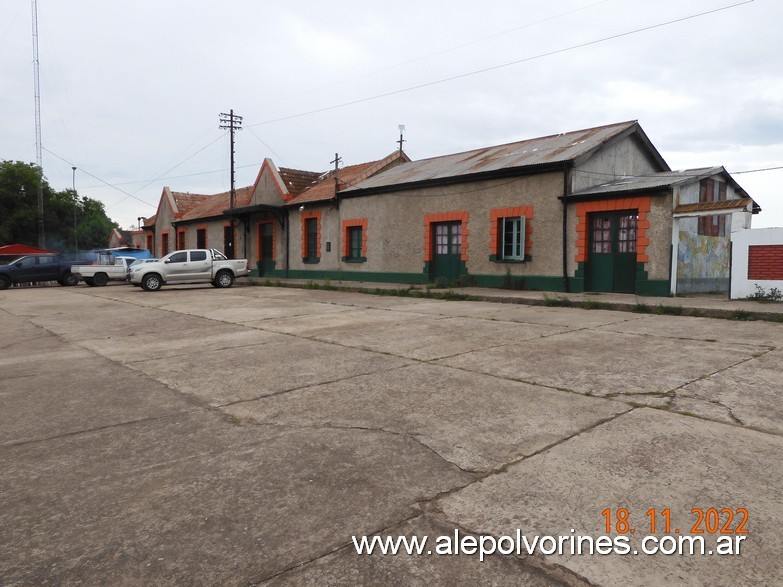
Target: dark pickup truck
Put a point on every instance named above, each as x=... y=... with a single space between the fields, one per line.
x=37 y=268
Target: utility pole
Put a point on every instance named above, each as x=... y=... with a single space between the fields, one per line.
x=75 y=208
x=401 y=141
x=337 y=160
x=232 y=122
x=38 y=154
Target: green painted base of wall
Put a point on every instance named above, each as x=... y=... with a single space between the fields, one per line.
x=653 y=287
x=376 y=276
x=530 y=282
x=646 y=287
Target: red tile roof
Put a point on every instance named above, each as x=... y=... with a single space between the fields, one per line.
x=350 y=175
x=297 y=180
x=187 y=201
x=213 y=205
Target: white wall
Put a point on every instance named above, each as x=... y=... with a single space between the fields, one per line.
x=741 y=286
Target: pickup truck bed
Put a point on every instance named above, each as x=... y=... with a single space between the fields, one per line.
x=99 y=275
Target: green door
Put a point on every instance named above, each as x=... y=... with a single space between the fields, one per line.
x=447 y=250
x=612 y=263
x=267 y=261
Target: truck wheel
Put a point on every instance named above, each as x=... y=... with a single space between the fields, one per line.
x=100 y=279
x=151 y=282
x=224 y=279
x=5 y=282
x=70 y=279
x=89 y=281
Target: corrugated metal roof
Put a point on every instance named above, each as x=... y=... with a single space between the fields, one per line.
x=551 y=149
x=652 y=181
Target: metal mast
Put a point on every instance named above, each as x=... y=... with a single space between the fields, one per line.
x=232 y=122
x=38 y=155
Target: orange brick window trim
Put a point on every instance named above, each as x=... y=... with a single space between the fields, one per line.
x=430 y=219
x=304 y=217
x=362 y=223
x=641 y=204
x=765 y=262
x=498 y=213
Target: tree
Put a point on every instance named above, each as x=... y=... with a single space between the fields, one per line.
x=68 y=219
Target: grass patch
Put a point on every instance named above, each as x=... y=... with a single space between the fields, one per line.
x=594 y=305
x=665 y=310
x=557 y=301
x=742 y=315
x=642 y=309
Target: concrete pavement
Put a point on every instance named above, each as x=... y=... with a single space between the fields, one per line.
x=243 y=436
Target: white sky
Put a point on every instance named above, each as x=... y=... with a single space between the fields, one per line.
x=131 y=91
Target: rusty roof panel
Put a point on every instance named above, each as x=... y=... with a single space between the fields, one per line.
x=711 y=206
x=558 y=148
x=663 y=179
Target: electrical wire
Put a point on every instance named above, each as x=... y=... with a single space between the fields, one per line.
x=100 y=180
x=209 y=144
x=433 y=54
x=501 y=66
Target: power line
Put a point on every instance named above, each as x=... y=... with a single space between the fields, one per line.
x=757 y=170
x=83 y=170
x=502 y=65
x=435 y=53
x=177 y=165
x=180 y=176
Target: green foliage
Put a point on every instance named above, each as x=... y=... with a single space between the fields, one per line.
x=641 y=309
x=19 y=185
x=742 y=315
x=762 y=295
x=668 y=310
x=594 y=305
x=557 y=301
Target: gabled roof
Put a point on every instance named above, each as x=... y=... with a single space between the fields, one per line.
x=185 y=202
x=214 y=205
x=664 y=181
x=510 y=159
x=123 y=236
x=348 y=176
x=652 y=181
x=290 y=182
x=297 y=180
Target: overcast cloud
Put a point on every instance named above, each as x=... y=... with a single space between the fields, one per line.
x=131 y=92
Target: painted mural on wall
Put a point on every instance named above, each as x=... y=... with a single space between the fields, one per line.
x=703 y=263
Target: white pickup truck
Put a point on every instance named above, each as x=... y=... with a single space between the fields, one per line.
x=101 y=273
x=190 y=266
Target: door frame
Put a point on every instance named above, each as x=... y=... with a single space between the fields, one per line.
x=621 y=266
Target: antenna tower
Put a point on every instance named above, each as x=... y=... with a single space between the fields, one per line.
x=38 y=155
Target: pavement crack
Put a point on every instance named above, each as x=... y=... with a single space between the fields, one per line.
x=309 y=386
x=88 y=430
